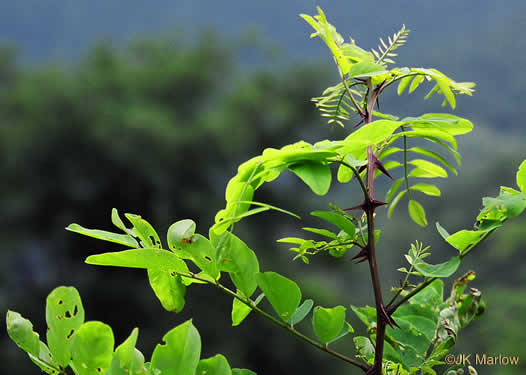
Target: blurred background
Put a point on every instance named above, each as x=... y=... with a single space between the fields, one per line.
x=150 y=106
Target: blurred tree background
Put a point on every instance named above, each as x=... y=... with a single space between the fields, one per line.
x=157 y=126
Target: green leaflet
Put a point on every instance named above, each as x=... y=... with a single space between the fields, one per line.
x=123 y=239
x=216 y=365
x=461 y=240
x=426 y=169
x=315 y=174
x=144 y=230
x=417 y=213
x=92 y=348
x=168 y=287
x=242 y=371
x=364 y=347
x=369 y=134
x=203 y=254
x=301 y=312
x=140 y=258
x=430 y=295
x=283 y=294
x=64 y=316
x=445 y=269
x=426 y=189
x=180 y=232
x=20 y=330
x=127 y=360
x=45 y=361
x=328 y=322
x=240 y=311
x=521 y=177
x=336 y=219
x=236 y=258
x=179 y=355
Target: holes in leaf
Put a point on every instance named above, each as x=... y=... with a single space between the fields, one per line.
x=99 y=369
x=67 y=315
x=208 y=258
x=60 y=317
x=60 y=302
x=70 y=334
x=173 y=274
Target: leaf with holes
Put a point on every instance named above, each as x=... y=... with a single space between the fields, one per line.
x=180 y=232
x=92 y=348
x=168 y=287
x=45 y=361
x=283 y=294
x=122 y=239
x=127 y=360
x=203 y=254
x=64 y=315
x=144 y=231
x=180 y=353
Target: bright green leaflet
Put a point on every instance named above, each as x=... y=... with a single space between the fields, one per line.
x=364 y=347
x=283 y=294
x=180 y=353
x=64 y=316
x=445 y=269
x=20 y=330
x=144 y=231
x=127 y=360
x=203 y=254
x=240 y=310
x=45 y=361
x=140 y=258
x=183 y=230
x=92 y=348
x=521 y=177
x=341 y=222
x=417 y=213
x=168 y=287
x=216 y=365
x=239 y=371
x=328 y=322
x=122 y=239
x=426 y=189
x=235 y=257
x=315 y=174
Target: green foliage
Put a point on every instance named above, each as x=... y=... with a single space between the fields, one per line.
x=89 y=348
x=409 y=334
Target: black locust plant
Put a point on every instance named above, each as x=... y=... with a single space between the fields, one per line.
x=408 y=333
